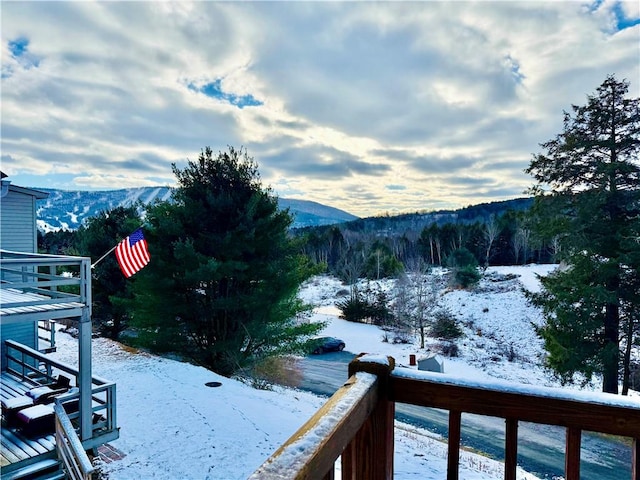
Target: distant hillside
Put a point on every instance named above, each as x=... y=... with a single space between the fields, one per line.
x=398 y=224
x=68 y=209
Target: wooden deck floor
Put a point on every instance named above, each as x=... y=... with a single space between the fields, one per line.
x=16 y=447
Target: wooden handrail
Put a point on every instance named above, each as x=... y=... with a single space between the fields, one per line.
x=69 y=448
x=366 y=444
x=356 y=419
x=579 y=410
x=22 y=272
x=311 y=452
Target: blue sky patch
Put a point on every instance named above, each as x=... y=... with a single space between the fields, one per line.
x=19 y=49
x=214 y=90
x=623 y=21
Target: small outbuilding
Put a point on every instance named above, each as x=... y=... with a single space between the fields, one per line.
x=431 y=363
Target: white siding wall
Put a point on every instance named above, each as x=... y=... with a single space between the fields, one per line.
x=18 y=233
x=18 y=222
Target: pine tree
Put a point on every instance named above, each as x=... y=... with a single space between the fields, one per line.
x=592 y=207
x=222 y=286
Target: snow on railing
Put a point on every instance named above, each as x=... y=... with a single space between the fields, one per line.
x=351 y=426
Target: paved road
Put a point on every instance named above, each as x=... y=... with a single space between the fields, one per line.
x=540 y=447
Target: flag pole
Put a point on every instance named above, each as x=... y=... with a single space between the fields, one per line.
x=104 y=256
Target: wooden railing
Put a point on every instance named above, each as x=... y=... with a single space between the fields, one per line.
x=70 y=450
x=42 y=276
x=30 y=365
x=47 y=333
x=357 y=422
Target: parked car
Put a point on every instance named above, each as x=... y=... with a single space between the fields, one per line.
x=326 y=344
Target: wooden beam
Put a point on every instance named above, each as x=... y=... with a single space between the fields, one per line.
x=311 y=452
x=635 y=459
x=583 y=415
x=511 y=449
x=369 y=456
x=84 y=376
x=453 y=455
x=572 y=454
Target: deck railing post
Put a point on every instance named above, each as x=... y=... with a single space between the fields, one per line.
x=453 y=444
x=84 y=375
x=572 y=454
x=511 y=449
x=370 y=454
x=635 y=459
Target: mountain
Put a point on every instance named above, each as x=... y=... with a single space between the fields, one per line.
x=68 y=209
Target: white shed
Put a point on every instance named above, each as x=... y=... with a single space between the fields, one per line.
x=431 y=363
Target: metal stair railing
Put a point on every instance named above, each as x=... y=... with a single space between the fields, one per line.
x=70 y=450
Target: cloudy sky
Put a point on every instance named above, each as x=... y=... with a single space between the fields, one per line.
x=369 y=107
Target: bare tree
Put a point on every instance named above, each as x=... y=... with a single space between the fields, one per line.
x=491 y=232
x=422 y=297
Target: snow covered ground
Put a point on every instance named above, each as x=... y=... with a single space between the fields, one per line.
x=173 y=426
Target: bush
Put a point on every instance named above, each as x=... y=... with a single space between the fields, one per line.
x=368 y=307
x=449 y=349
x=445 y=325
x=464 y=267
x=467 y=276
x=273 y=371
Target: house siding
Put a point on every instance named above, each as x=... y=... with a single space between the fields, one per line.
x=18 y=225
x=25 y=333
x=18 y=233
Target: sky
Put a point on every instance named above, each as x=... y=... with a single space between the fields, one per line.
x=371 y=107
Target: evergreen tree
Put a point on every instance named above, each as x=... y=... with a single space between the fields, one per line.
x=222 y=286
x=109 y=286
x=592 y=207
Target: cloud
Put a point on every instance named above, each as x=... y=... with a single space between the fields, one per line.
x=369 y=107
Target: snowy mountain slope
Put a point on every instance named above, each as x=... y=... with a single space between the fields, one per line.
x=68 y=209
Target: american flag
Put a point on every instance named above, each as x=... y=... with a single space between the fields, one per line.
x=132 y=253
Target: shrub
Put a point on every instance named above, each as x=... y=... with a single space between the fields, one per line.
x=354 y=309
x=368 y=307
x=445 y=325
x=464 y=267
x=466 y=277
x=449 y=349
x=273 y=371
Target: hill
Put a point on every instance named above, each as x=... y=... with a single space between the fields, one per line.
x=68 y=209
x=398 y=224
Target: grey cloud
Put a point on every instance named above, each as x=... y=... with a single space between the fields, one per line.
x=428 y=164
x=320 y=162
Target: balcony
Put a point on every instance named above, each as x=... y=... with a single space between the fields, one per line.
x=357 y=422
x=37 y=290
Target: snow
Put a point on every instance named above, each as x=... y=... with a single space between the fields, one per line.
x=295 y=455
x=510 y=387
x=173 y=426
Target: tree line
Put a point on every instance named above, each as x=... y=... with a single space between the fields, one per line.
x=503 y=238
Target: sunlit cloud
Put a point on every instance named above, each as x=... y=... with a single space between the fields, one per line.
x=371 y=107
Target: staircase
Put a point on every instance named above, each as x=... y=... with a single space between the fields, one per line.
x=49 y=469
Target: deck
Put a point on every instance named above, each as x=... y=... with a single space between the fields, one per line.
x=16 y=304
x=41 y=288
x=16 y=447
